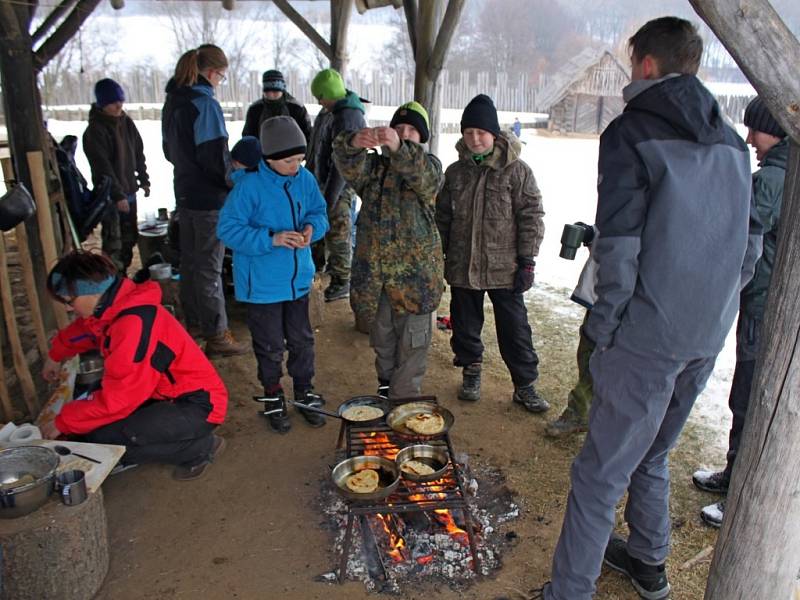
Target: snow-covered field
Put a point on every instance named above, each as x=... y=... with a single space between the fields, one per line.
x=566 y=170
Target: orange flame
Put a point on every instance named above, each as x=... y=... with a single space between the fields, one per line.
x=378 y=444
x=396 y=542
x=424 y=560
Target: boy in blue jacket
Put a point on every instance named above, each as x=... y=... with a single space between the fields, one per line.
x=269 y=220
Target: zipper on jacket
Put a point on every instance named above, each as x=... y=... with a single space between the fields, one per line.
x=294 y=226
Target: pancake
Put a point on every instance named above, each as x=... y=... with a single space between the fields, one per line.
x=415 y=467
x=425 y=423
x=363 y=482
x=362 y=413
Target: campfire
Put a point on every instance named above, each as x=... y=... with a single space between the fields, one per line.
x=433 y=529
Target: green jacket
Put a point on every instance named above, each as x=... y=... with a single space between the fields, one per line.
x=397 y=245
x=767 y=194
x=489 y=215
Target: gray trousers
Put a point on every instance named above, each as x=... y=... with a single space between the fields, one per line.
x=639 y=408
x=401 y=344
x=201 y=292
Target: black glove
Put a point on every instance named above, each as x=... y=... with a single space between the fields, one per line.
x=588 y=233
x=523 y=278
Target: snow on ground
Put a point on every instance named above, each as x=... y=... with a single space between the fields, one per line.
x=566 y=170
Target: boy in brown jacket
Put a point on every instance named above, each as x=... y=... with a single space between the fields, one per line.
x=489 y=214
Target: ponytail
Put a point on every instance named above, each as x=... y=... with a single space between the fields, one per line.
x=194 y=62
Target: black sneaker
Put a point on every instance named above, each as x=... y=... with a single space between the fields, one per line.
x=711 y=481
x=471 y=383
x=275 y=410
x=713 y=513
x=310 y=398
x=383 y=390
x=337 y=290
x=649 y=581
x=529 y=399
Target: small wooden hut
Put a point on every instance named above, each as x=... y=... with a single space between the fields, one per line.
x=586 y=94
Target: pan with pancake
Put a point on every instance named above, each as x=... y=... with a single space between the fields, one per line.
x=388 y=477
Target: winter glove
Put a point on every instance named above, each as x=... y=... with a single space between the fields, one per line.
x=588 y=233
x=523 y=278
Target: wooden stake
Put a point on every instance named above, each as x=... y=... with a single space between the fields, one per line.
x=20 y=363
x=5 y=397
x=44 y=217
x=704 y=553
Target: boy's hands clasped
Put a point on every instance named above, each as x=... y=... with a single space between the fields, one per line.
x=372 y=137
x=293 y=239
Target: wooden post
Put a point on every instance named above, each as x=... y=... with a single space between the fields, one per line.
x=341 y=10
x=5 y=397
x=17 y=353
x=45 y=220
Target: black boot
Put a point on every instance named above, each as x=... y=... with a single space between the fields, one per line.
x=383 y=389
x=310 y=398
x=337 y=289
x=275 y=410
x=471 y=383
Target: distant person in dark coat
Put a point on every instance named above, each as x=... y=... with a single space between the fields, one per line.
x=275 y=103
x=114 y=149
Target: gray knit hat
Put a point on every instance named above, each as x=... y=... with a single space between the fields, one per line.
x=758 y=117
x=281 y=137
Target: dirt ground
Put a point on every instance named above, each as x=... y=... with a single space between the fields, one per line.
x=250 y=529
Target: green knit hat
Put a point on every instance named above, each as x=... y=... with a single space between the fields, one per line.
x=328 y=85
x=414 y=114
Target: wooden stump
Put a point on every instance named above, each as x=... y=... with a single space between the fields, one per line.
x=55 y=552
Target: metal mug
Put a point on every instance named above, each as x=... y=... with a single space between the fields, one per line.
x=71 y=486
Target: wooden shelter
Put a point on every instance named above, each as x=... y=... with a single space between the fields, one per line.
x=586 y=94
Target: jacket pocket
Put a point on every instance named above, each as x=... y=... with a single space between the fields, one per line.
x=497 y=201
x=162 y=359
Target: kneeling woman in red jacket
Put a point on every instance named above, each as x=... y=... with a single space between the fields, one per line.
x=160 y=397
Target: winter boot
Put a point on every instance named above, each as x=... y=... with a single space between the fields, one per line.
x=711 y=481
x=529 y=399
x=383 y=389
x=337 y=289
x=310 y=398
x=567 y=424
x=196 y=471
x=223 y=344
x=650 y=581
x=471 y=383
x=275 y=409
x=713 y=513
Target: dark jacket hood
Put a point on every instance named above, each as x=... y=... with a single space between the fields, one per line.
x=96 y=114
x=682 y=101
x=351 y=100
x=507 y=149
x=777 y=156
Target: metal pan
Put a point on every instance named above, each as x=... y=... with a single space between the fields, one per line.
x=375 y=401
x=398 y=417
x=387 y=471
x=433 y=456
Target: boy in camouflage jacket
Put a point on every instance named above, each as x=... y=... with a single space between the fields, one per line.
x=396 y=281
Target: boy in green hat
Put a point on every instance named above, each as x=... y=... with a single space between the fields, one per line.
x=397 y=268
x=342 y=111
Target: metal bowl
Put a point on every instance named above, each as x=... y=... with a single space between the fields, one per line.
x=398 y=417
x=389 y=476
x=433 y=456
x=90 y=370
x=37 y=462
x=160 y=271
x=374 y=401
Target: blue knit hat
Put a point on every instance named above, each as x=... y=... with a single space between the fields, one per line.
x=247 y=151
x=107 y=91
x=80 y=287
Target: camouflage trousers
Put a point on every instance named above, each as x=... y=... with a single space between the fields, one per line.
x=119 y=234
x=580 y=396
x=337 y=247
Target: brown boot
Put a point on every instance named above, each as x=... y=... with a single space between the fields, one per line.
x=223 y=344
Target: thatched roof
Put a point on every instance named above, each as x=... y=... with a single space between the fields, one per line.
x=572 y=72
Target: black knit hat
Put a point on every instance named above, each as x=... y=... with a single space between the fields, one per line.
x=481 y=114
x=758 y=117
x=273 y=80
x=247 y=151
x=281 y=137
x=414 y=114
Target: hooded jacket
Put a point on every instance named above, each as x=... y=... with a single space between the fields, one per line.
x=114 y=149
x=147 y=355
x=264 y=109
x=768 y=195
x=195 y=141
x=489 y=214
x=261 y=204
x=676 y=239
x=397 y=244
x=346 y=115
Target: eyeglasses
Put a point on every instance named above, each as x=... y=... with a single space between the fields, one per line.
x=70 y=301
x=222 y=77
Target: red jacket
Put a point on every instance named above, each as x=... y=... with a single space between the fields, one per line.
x=147 y=353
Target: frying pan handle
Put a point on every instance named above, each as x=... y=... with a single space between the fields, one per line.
x=314 y=409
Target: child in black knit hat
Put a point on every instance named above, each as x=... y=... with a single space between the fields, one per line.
x=489 y=215
x=246 y=153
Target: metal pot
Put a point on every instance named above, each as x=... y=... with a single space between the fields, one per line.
x=21 y=463
x=160 y=271
x=435 y=456
x=389 y=476
x=90 y=370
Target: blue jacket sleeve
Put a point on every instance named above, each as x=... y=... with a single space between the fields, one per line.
x=234 y=227
x=316 y=210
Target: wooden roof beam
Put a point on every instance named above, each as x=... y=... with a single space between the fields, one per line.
x=446 y=30
x=341 y=11
x=411 y=9
x=304 y=26
x=59 y=11
x=56 y=42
